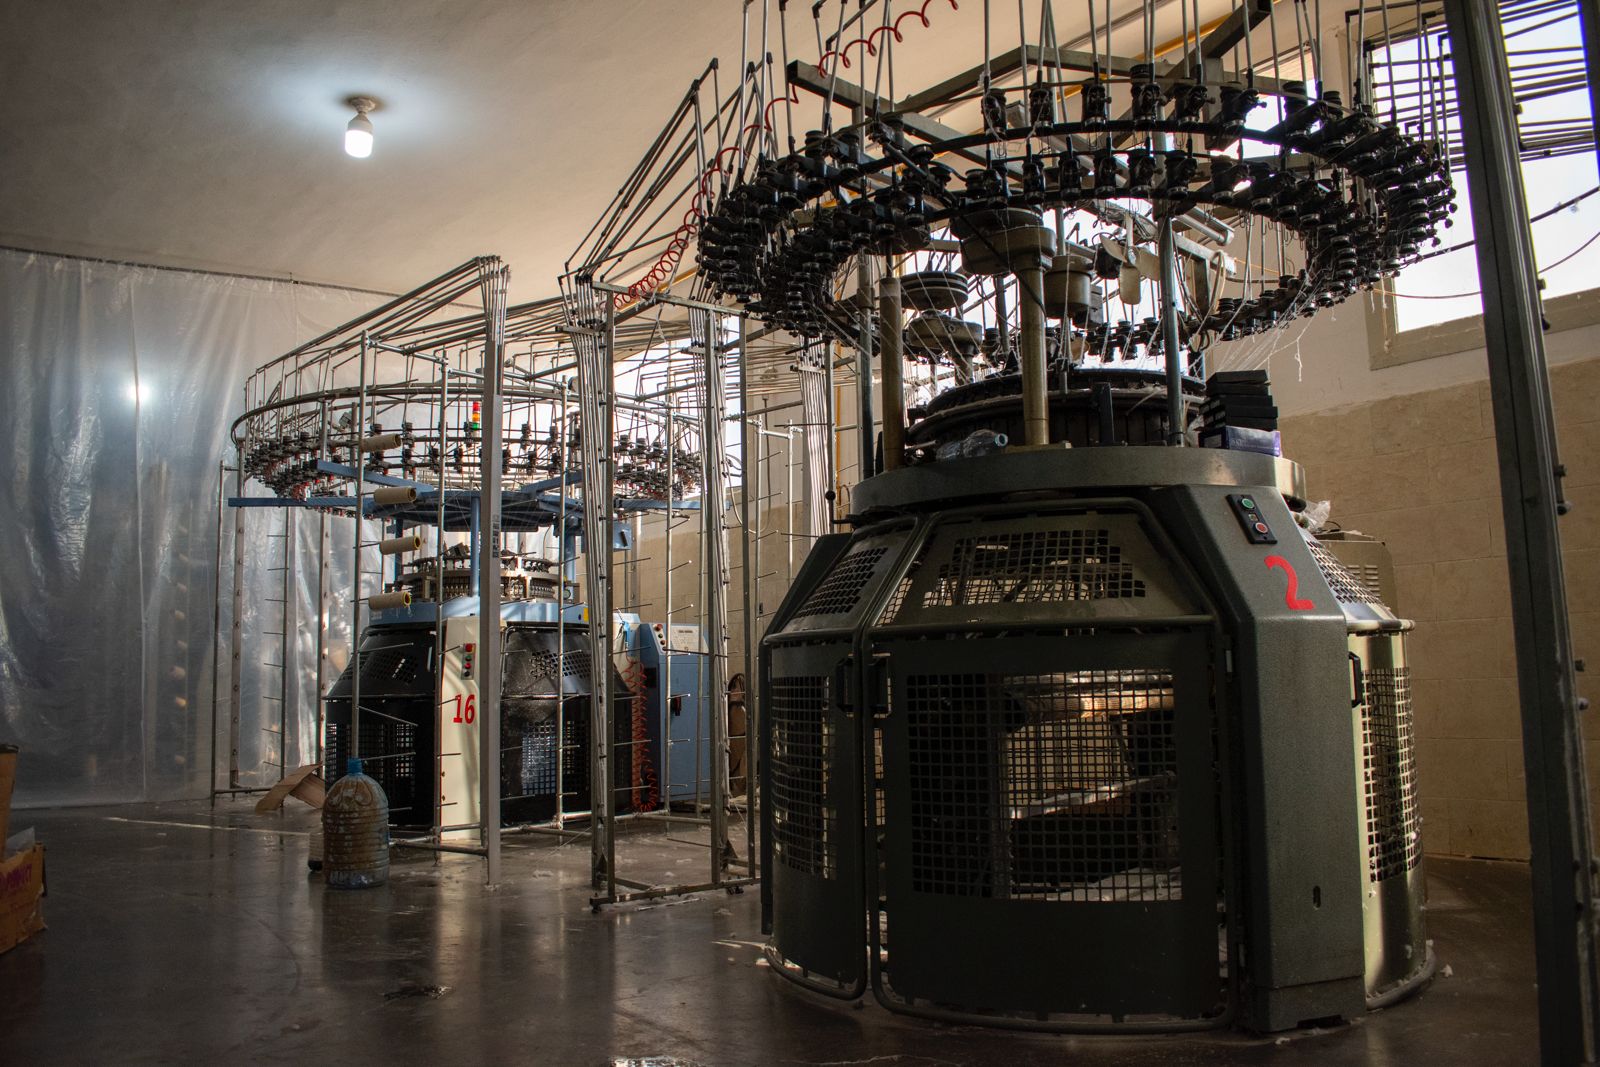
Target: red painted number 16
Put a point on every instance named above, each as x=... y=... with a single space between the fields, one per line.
x=469 y=709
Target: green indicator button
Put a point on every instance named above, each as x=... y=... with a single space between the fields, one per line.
x=1249 y=505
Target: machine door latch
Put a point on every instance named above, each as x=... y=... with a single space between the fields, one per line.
x=878 y=684
x=843 y=689
x=1358 y=682
x=1255 y=525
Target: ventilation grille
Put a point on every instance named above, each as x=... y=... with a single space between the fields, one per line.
x=1347 y=587
x=840 y=592
x=1045 y=787
x=387 y=668
x=802 y=761
x=1370 y=577
x=389 y=755
x=546 y=663
x=1034 y=567
x=528 y=767
x=1389 y=774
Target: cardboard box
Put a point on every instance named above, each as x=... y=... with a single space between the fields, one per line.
x=21 y=897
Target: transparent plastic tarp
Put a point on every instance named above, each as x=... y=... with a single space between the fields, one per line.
x=120 y=384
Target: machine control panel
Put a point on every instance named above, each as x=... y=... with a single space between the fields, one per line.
x=1255 y=525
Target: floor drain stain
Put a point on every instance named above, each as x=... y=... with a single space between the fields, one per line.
x=412 y=992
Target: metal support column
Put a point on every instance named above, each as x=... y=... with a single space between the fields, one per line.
x=216 y=634
x=358 y=460
x=894 y=387
x=1552 y=744
x=1031 y=354
x=713 y=501
x=236 y=634
x=495 y=279
x=595 y=408
x=750 y=444
x=864 y=413
x=1171 y=347
x=288 y=682
x=320 y=685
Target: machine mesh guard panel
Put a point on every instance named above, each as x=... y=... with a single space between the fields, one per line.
x=1036 y=568
x=841 y=591
x=389 y=670
x=1347 y=587
x=388 y=755
x=1389 y=774
x=802 y=764
x=1050 y=786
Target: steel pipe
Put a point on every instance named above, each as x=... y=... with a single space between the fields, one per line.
x=1031 y=354
x=891 y=342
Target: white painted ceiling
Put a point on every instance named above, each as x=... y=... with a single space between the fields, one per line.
x=207 y=133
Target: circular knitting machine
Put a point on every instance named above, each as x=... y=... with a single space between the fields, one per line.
x=1080 y=728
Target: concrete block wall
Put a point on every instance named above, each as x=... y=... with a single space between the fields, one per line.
x=1419 y=470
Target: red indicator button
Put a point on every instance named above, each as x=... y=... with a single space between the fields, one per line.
x=1261 y=527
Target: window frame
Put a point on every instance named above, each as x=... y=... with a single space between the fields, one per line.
x=1391 y=347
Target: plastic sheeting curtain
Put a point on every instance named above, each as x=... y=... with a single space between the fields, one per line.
x=121 y=384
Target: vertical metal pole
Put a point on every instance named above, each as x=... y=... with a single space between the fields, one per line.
x=596 y=380
x=358 y=460
x=1170 y=345
x=606 y=696
x=489 y=650
x=713 y=504
x=475 y=545
x=750 y=446
x=666 y=623
x=285 y=688
x=894 y=386
x=864 y=414
x=1031 y=354
x=830 y=432
x=436 y=797
x=319 y=745
x=1562 y=861
x=216 y=632
x=236 y=633
x=561 y=614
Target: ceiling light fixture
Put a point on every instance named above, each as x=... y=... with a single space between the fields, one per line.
x=358 y=135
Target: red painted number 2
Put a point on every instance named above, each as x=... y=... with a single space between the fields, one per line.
x=469 y=709
x=1290 y=594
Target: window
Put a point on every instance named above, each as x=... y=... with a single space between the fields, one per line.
x=1432 y=308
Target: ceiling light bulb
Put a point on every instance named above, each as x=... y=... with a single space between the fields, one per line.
x=358 y=134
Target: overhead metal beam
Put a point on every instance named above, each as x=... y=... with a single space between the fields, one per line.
x=848 y=94
x=1562 y=858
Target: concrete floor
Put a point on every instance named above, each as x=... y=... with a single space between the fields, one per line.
x=177 y=936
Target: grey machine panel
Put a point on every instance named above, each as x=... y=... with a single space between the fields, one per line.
x=1298 y=817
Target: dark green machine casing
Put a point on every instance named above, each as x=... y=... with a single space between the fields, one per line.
x=1256 y=644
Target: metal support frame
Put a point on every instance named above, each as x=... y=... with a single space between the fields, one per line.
x=595 y=388
x=865 y=420
x=750 y=444
x=1031 y=353
x=495 y=278
x=714 y=533
x=594 y=342
x=359 y=462
x=1171 y=346
x=1563 y=864
x=894 y=387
